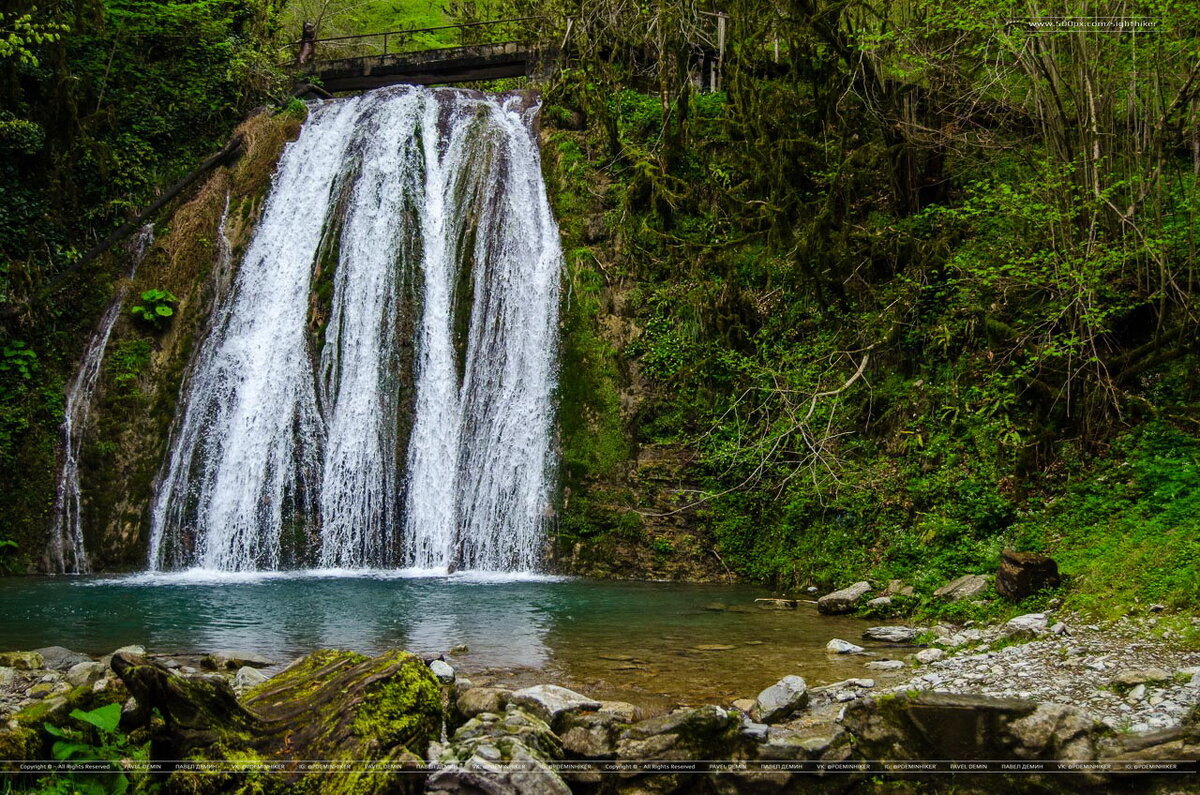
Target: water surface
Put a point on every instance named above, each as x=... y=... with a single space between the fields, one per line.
x=639 y=641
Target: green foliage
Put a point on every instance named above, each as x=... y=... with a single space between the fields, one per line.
x=99 y=741
x=21 y=35
x=156 y=308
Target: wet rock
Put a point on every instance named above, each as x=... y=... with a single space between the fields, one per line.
x=232 y=660
x=776 y=604
x=714 y=647
x=717 y=607
x=1022 y=574
x=839 y=646
x=548 y=702
x=21 y=660
x=7 y=677
x=845 y=600
x=59 y=658
x=885 y=665
x=478 y=700
x=442 y=670
x=461 y=648
x=891 y=634
x=1030 y=625
x=247 y=677
x=86 y=673
x=781 y=700
x=968 y=586
x=927 y=656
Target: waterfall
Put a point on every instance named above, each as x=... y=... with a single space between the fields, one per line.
x=375 y=388
x=66 y=552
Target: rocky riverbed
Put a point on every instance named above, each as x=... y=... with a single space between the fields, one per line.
x=1039 y=687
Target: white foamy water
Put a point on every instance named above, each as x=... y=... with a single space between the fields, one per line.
x=419 y=434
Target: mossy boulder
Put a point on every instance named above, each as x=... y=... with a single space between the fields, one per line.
x=333 y=706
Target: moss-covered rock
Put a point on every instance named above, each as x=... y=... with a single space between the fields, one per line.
x=336 y=707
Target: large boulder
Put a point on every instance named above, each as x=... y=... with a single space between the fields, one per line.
x=1023 y=574
x=549 y=702
x=946 y=726
x=59 y=658
x=781 y=700
x=332 y=705
x=968 y=586
x=845 y=600
x=891 y=634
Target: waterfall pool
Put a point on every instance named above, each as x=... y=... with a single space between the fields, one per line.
x=656 y=644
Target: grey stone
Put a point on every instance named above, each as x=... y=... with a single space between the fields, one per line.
x=247 y=677
x=1030 y=626
x=548 y=702
x=839 y=646
x=891 y=634
x=879 y=603
x=442 y=670
x=86 y=673
x=498 y=755
x=885 y=665
x=927 y=656
x=7 y=677
x=232 y=660
x=478 y=700
x=967 y=586
x=1141 y=676
x=845 y=600
x=59 y=658
x=781 y=700
x=591 y=735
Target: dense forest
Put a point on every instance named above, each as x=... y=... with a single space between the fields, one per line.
x=915 y=283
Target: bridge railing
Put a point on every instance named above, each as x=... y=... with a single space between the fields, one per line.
x=370 y=45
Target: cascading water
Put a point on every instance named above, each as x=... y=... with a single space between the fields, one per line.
x=413 y=426
x=66 y=552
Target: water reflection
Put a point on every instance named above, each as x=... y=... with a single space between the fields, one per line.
x=659 y=639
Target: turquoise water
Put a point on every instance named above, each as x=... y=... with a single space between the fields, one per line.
x=633 y=640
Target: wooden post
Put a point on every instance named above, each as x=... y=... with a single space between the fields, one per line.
x=720 y=51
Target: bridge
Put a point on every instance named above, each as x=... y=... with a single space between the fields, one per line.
x=460 y=53
x=373 y=60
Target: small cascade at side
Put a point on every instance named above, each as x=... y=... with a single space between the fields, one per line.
x=375 y=387
x=66 y=552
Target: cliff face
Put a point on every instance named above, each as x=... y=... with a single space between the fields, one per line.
x=630 y=507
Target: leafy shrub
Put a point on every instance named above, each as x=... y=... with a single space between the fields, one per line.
x=156 y=307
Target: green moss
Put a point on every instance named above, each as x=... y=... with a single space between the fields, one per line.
x=404 y=711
